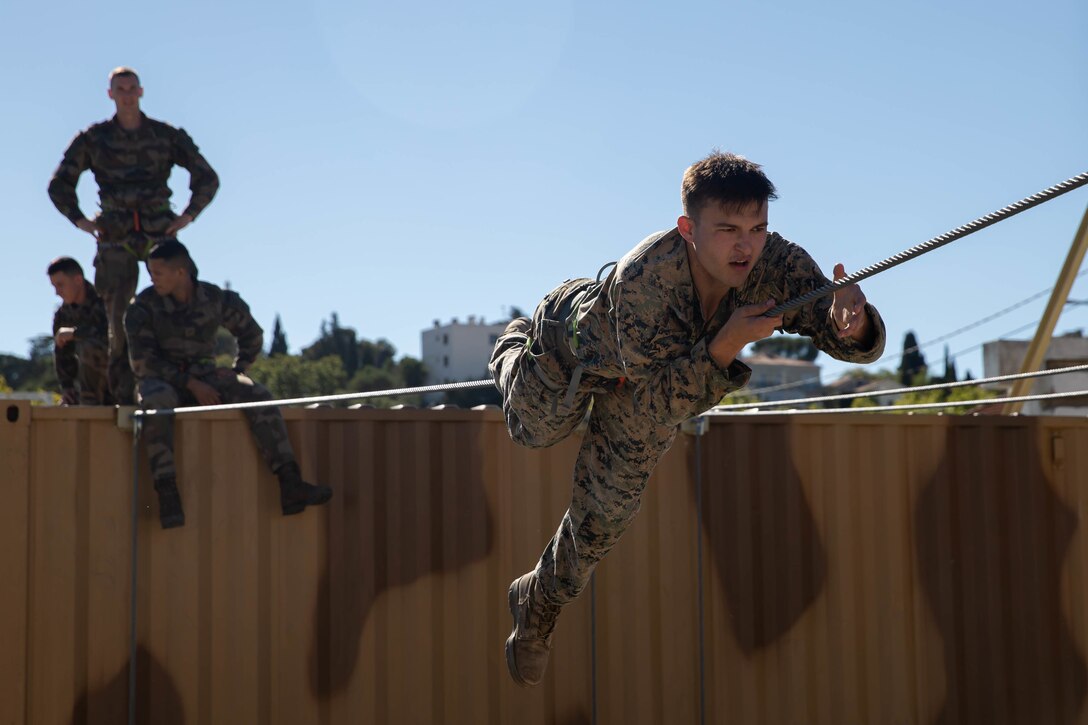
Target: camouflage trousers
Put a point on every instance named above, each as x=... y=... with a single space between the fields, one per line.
x=121 y=248
x=533 y=368
x=267 y=424
x=92 y=378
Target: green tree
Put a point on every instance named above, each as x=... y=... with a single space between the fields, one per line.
x=377 y=354
x=338 y=341
x=279 y=340
x=412 y=371
x=371 y=378
x=912 y=366
x=793 y=347
x=34 y=372
x=290 y=376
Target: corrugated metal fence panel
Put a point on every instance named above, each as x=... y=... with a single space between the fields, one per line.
x=894 y=570
x=14 y=480
x=867 y=569
x=386 y=606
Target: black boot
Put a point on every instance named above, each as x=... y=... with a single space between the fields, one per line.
x=170 y=512
x=296 y=494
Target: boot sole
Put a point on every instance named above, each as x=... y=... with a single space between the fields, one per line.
x=511 y=662
x=172 y=522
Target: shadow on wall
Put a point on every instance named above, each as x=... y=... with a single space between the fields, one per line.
x=386 y=517
x=763 y=540
x=109 y=704
x=990 y=546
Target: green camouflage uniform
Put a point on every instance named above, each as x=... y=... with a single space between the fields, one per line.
x=131 y=169
x=82 y=365
x=636 y=345
x=170 y=342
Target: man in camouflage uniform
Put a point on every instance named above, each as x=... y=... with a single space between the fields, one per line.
x=131 y=157
x=171 y=328
x=81 y=353
x=653 y=344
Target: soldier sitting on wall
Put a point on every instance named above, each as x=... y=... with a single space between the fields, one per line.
x=171 y=329
x=80 y=334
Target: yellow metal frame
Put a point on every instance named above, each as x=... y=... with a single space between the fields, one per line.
x=1041 y=342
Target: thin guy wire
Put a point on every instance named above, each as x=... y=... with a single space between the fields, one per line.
x=934 y=243
x=911 y=389
x=928 y=343
x=912 y=406
x=315 y=399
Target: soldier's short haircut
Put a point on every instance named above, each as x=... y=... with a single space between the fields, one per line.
x=123 y=71
x=173 y=253
x=725 y=178
x=67 y=265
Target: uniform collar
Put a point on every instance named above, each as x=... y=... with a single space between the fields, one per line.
x=200 y=295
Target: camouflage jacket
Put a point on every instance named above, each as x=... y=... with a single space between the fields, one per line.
x=169 y=340
x=131 y=168
x=644 y=323
x=90 y=323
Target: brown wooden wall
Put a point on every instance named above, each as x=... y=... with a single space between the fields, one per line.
x=853 y=569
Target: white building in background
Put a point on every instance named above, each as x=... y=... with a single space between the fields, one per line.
x=1004 y=357
x=798 y=378
x=459 y=350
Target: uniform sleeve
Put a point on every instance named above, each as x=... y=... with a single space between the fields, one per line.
x=240 y=323
x=64 y=358
x=669 y=389
x=143 y=349
x=203 y=181
x=62 y=187
x=802 y=275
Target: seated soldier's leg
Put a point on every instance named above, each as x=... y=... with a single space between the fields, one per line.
x=94 y=359
x=618 y=454
x=270 y=434
x=116 y=272
x=159 y=438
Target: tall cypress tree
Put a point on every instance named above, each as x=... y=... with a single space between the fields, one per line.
x=913 y=362
x=279 y=340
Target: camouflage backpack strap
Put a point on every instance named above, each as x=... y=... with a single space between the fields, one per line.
x=581 y=304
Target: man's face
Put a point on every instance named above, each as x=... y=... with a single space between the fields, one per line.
x=69 y=287
x=726 y=241
x=126 y=92
x=166 y=278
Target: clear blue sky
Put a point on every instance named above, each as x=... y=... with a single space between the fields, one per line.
x=401 y=162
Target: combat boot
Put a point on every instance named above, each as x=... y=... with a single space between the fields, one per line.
x=170 y=511
x=530 y=642
x=296 y=494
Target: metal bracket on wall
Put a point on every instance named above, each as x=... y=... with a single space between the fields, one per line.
x=124 y=416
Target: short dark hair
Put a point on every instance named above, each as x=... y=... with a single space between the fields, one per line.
x=67 y=265
x=727 y=179
x=122 y=72
x=174 y=253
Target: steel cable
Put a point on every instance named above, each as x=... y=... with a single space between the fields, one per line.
x=934 y=243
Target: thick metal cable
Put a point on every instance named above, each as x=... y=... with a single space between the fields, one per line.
x=316 y=399
x=900 y=391
x=915 y=251
x=911 y=406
